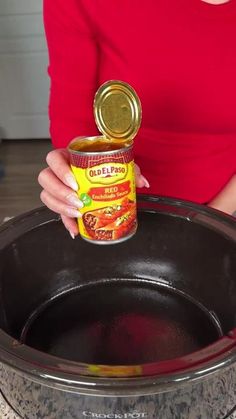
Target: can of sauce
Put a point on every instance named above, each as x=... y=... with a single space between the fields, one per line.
x=104 y=167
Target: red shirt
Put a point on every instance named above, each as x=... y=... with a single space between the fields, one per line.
x=180 y=56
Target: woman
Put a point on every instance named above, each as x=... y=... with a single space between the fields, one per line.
x=180 y=57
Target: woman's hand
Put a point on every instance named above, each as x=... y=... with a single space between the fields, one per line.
x=60 y=188
x=141 y=181
x=226 y=200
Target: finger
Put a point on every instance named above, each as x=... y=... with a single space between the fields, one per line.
x=141 y=181
x=58 y=161
x=58 y=206
x=71 y=225
x=48 y=180
x=137 y=170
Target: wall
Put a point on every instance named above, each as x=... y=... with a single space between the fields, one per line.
x=23 y=70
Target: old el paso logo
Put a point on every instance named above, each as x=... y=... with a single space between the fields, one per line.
x=134 y=415
x=106 y=174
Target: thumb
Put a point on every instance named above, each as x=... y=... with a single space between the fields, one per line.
x=141 y=181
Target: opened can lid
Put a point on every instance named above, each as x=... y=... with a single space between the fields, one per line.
x=117 y=110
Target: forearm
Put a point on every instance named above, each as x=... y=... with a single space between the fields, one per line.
x=226 y=200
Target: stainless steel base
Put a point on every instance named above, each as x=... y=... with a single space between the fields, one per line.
x=7 y=413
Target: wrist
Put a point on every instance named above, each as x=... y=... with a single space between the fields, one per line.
x=226 y=200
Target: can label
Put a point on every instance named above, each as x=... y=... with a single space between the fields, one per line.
x=107 y=189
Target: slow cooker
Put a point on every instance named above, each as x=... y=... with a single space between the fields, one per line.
x=141 y=329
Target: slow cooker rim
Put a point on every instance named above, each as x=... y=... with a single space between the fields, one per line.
x=225 y=223
x=61 y=373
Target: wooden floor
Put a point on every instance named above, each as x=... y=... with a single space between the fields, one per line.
x=20 y=163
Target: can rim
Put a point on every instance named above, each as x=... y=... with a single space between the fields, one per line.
x=95 y=153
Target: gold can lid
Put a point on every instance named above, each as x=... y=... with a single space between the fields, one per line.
x=117 y=110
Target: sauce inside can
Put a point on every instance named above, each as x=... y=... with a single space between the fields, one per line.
x=104 y=167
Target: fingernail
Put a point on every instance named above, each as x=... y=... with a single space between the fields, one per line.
x=145 y=181
x=72 y=235
x=74 y=200
x=74 y=213
x=71 y=182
